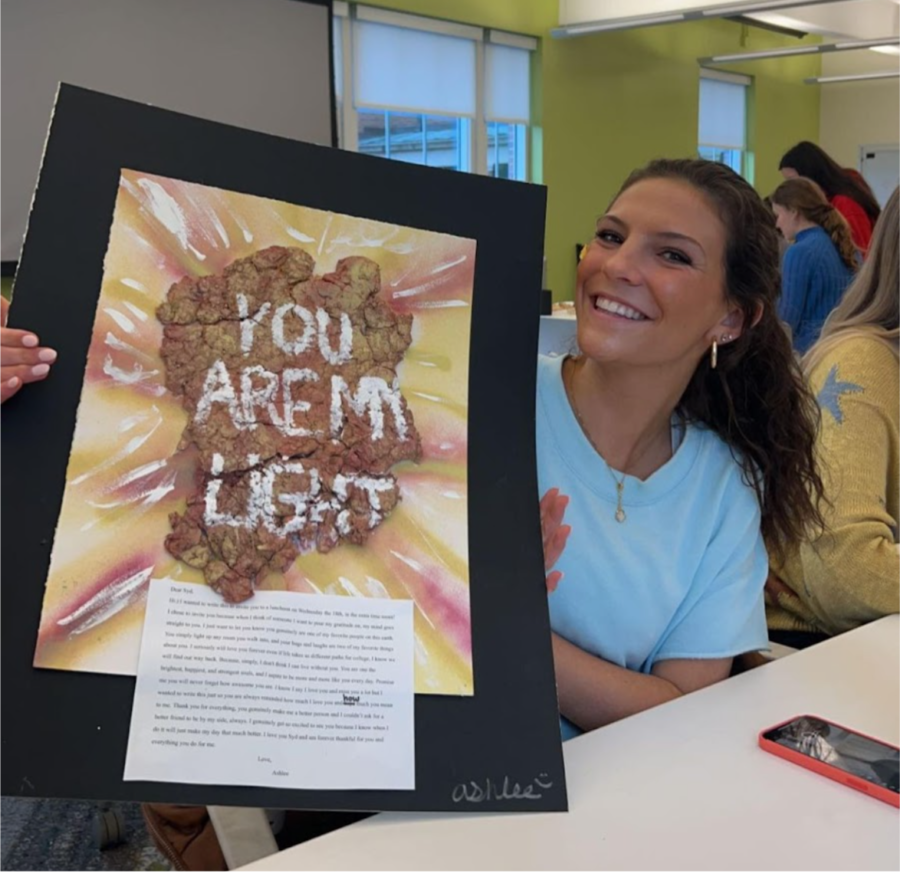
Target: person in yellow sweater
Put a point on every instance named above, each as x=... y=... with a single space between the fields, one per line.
x=850 y=573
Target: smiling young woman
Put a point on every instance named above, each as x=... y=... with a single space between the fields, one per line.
x=675 y=445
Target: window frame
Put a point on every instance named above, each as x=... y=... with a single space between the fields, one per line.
x=347 y=13
x=745 y=152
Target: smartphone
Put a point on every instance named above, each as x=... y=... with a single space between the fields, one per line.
x=856 y=760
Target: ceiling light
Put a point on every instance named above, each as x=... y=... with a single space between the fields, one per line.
x=609 y=24
x=855 y=77
x=851 y=44
x=846 y=45
x=613 y=24
x=759 y=6
x=756 y=56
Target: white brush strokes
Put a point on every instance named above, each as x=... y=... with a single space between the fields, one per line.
x=136 y=311
x=363 y=241
x=298 y=235
x=418 y=289
x=121 y=346
x=401 y=277
x=410 y=562
x=147 y=497
x=127 y=424
x=139 y=473
x=442 y=267
x=132 y=377
x=454 y=496
x=121 y=320
x=133 y=283
x=166 y=210
x=350 y=588
x=421 y=652
x=214 y=220
x=248 y=236
x=439 y=304
x=109 y=601
x=401 y=248
x=324 y=234
x=129 y=449
x=311 y=583
x=428 y=397
x=376 y=588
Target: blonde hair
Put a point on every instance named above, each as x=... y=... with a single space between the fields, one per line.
x=871 y=305
x=807 y=198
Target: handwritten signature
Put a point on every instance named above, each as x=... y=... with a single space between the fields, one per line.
x=475 y=792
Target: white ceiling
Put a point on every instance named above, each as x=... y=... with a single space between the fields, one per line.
x=861 y=19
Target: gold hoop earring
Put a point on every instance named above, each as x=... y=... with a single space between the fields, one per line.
x=714 y=354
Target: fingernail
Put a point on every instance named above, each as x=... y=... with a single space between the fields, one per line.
x=40 y=370
x=48 y=355
x=13 y=383
x=29 y=340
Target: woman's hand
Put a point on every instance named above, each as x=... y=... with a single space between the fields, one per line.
x=21 y=358
x=555 y=534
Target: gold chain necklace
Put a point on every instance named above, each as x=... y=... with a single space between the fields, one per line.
x=620 y=483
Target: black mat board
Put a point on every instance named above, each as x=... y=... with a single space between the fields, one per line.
x=65 y=733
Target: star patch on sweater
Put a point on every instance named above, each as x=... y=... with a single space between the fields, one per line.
x=829 y=397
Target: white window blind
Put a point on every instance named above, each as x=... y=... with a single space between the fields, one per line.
x=723 y=113
x=507 y=95
x=413 y=70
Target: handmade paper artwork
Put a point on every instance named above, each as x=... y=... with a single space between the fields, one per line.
x=276 y=397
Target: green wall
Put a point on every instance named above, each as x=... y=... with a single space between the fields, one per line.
x=611 y=102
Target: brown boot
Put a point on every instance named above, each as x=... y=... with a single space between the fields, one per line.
x=185 y=835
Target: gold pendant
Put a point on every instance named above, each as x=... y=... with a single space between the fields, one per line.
x=620 y=513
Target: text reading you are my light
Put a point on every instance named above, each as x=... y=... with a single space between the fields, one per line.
x=258 y=389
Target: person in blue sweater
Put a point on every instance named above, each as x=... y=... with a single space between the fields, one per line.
x=819 y=265
x=677 y=440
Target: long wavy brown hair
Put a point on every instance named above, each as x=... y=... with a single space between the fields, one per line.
x=804 y=196
x=756 y=399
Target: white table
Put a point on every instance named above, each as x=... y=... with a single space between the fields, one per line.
x=682 y=786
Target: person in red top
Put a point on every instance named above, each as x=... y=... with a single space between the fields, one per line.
x=845 y=189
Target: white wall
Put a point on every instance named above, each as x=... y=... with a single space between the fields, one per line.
x=259 y=64
x=858 y=113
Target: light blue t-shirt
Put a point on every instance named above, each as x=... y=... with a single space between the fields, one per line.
x=681 y=577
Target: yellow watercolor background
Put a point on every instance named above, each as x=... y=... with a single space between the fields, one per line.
x=126 y=473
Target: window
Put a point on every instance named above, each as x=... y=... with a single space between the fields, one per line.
x=723 y=119
x=433 y=92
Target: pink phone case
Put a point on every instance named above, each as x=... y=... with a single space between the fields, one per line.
x=825 y=769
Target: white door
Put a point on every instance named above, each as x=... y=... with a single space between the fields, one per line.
x=880 y=166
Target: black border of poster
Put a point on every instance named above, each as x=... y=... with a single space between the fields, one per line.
x=65 y=733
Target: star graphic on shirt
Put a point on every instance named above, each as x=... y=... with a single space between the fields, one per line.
x=829 y=396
